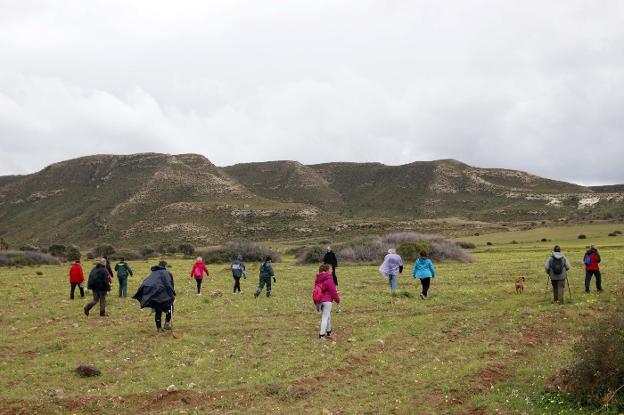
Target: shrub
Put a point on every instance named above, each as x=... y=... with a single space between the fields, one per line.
x=90 y=255
x=57 y=250
x=103 y=250
x=375 y=249
x=582 y=236
x=466 y=245
x=613 y=234
x=186 y=249
x=250 y=251
x=410 y=250
x=598 y=374
x=544 y=240
x=489 y=244
x=26 y=258
x=617 y=232
x=514 y=242
x=310 y=255
x=167 y=249
x=72 y=253
x=4 y=245
x=147 y=251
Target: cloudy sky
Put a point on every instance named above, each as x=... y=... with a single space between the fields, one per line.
x=530 y=85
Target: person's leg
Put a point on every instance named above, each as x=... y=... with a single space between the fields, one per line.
x=158 y=317
x=329 y=326
x=237 y=284
x=554 y=289
x=92 y=303
x=335 y=277
x=124 y=291
x=103 y=303
x=588 y=275
x=392 y=279
x=598 y=280
x=120 y=286
x=326 y=309
x=81 y=290
x=198 y=281
x=71 y=290
x=260 y=287
x=168 y=312
x=268 y=285
x=426 y=282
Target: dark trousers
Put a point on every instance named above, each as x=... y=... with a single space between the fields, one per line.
x=198 y=281
x=558 y=290
x=123 y=286
x=237 y=284
x=73 y=288
x=158 y=310
x=426 y=282
x=335 y=277
x=588 y=276
x=264 y=281
x=98 y=296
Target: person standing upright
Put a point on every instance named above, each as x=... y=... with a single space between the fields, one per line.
x=198 y=271
x=123 y=271
x=557 y=267
x=76 y=279
x=238 y=271
x=591 y=261
x=425 y=271
x=99 y=284
x=265 y=275
x=330 y=259
x=391 y=267
x=158 y=292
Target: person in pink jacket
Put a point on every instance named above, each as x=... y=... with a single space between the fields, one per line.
x=199 y=268
x=326 y=293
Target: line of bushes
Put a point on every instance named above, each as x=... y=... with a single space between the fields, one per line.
x=407 y=244
x=26 y=258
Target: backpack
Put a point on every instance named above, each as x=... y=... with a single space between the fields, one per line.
x=317 y=294
x=587 y=259
x=556 y=265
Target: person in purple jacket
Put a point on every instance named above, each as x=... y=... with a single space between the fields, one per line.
x=328 y=295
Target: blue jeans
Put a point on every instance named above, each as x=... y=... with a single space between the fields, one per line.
x=392 y=279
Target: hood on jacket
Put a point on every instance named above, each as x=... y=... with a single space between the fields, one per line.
x=557 y=254
x=157 y=267
x=322 y=277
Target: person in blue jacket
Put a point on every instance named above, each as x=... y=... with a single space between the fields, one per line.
x=424 y=270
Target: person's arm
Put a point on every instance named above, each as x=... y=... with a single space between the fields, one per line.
x=116 y=267
x=547 y=265
x=172 y=284
x=129 y=270
x=330 y=288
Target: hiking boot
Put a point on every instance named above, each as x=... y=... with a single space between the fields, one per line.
x=160 y=330
x=328 y=334
x=422 y=296
x=268 y=294
x=600 y=290
x=86 y=311
x=167 y=326
x=322 y=336
x=256 y=294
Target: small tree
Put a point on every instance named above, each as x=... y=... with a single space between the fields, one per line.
x=187 y=249
x=147 y=251
x=4 y=245
x=103 y=250
x=72 y=253
x=57 y=250
x=410 y=250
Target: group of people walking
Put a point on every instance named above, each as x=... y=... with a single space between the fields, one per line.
x=157 y=291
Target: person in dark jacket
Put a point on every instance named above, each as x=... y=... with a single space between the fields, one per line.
x=123 y=270
x=108 y=267
x=238 y=271
x=330 y=259
x=158 y=293
x=591 y=261
x=265 y=275
x=557 y=267
x=99 y=284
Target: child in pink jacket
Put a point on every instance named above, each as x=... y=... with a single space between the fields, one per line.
x=199 y=268
x=329 y=295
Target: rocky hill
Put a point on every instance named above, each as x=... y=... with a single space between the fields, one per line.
x=139 y=199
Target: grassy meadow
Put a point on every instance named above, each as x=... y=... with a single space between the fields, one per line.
x=474 y=347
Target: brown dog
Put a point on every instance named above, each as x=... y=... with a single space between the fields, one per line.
x=519 y=285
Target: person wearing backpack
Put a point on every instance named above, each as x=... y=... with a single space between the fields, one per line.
x=591 y=261
x=557 y=267
x=324 y=295
x=197 y=272
x=425 y=271
x=158 y=293
x=265 y=275
x=123 y=270
x=76 y=279
x=99 y=284
x=238 y=271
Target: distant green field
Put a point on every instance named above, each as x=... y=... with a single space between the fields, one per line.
x=474 y=347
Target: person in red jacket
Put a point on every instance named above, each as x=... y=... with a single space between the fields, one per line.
x=591 y=261
x=199 y=268
x=325 y=280
x=76 y=278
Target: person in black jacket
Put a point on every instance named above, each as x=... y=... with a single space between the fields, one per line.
x=158 y=293
x=99 y=284
x=330 y=258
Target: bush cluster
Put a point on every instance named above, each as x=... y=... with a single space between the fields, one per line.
x=250 y=251
x=310 y=254
x=26 y=258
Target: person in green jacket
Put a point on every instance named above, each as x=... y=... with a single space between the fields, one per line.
x=123 y=270
x=266 y=273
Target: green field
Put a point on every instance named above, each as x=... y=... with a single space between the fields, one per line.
x=474 y=347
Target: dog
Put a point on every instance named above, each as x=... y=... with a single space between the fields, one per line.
x=519 y=285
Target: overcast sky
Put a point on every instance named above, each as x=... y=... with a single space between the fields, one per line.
x=530 y=85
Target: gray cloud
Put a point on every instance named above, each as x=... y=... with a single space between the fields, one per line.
x=531 y=85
